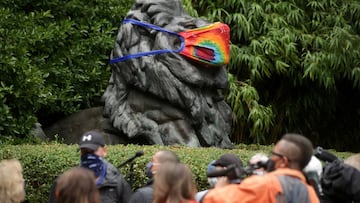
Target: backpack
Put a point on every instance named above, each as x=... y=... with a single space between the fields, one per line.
x=294 y=191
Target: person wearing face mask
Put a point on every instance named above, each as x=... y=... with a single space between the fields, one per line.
x=145 y=194
x=257 y=164
x=220 y=164
x=211 y=180
x=286 y=183
x=111 y=184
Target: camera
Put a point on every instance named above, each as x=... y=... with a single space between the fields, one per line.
x=252 y=168
x=324 y=155
x=231 y=172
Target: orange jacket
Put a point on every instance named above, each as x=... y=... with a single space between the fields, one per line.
x=257 y=189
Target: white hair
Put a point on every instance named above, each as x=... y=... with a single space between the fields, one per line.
x=258 y=157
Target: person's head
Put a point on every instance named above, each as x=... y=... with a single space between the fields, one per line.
x=12 y=184
x=228 y=160
x=292 y=151
x=77 y=185
x=162 y=157
x=93 y=142
x=173 y=183
x=354 y=161
x=257 y=163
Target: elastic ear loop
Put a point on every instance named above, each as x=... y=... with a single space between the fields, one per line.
x=161 y=51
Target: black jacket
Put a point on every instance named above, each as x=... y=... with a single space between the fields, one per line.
x=144 y=194
x=114 y=188
x=340 y=183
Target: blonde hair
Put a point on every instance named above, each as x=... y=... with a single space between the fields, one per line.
x=12 y=184
x=173 y=183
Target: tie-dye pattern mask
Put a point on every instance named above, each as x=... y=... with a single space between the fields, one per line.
x=209 y=44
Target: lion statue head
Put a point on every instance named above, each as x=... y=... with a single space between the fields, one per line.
x=165 y=98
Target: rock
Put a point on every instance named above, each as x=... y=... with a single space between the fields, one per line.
x=72 y=127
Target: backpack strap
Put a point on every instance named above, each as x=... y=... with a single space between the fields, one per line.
x=293 y=190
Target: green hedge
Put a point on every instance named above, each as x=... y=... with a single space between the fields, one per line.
x=54 y=58
x=43 y=163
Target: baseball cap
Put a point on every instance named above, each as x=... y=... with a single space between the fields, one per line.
x=92 y=140
x=227 y=160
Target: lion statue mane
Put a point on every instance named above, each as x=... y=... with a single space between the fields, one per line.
x=165 y=99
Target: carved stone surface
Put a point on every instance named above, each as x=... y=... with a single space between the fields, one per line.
x=166 y=98
x=70 y=129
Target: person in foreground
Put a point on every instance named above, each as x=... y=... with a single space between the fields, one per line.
x=286 y=183
x=145 y=194
x=12 y=183
x=224 y=162
x=111 y=184
x=173 y=183
x=77 y=185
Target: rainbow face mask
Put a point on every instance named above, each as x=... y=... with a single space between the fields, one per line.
x=209 y=45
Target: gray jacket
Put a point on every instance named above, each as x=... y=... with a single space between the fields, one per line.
x=144 y=194
x=114 y=188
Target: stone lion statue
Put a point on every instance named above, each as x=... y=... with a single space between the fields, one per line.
x=165 y=98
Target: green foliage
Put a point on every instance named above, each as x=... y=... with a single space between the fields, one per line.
x=295 y=65
x=43 y=163
x=292 y=65
x=54 y=58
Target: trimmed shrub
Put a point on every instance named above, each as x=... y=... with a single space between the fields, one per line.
x=54 y=58
x=43 y=163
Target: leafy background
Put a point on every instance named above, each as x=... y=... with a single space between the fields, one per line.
x=295 y=65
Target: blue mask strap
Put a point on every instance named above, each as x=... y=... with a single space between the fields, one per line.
x=154 y=52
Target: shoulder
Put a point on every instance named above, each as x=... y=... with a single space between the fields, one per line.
x=145 y=190
x=255 y=181
x=112 y=173
x=111 y=167
x=222 y=194
x=290 y=172
x=200 y=195
x=144 y=194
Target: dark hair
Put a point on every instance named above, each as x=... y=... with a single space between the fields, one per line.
x=77 y=185
x=305 y=148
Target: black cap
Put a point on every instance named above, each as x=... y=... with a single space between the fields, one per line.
x=227 y=160
x=92 y=140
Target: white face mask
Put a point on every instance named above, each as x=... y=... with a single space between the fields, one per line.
x=212 y=181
